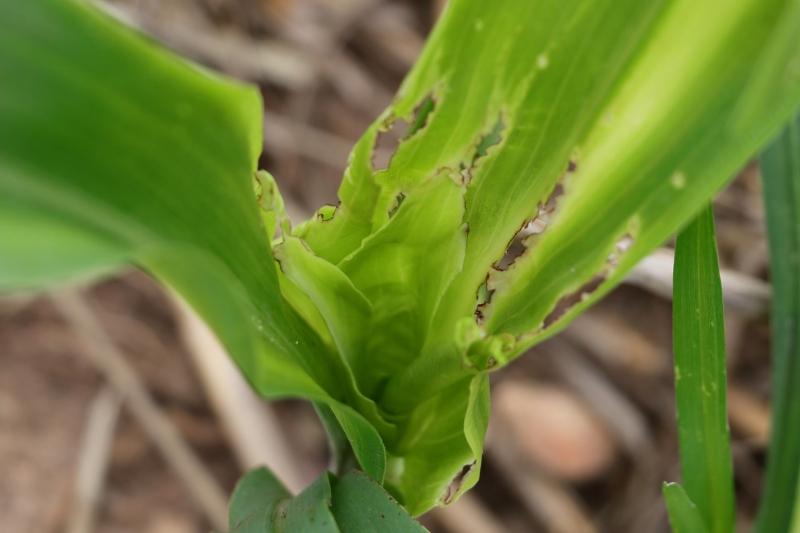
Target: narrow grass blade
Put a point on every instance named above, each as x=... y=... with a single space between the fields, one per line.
x=684 y=517
x=699 y=346
x=781 y=170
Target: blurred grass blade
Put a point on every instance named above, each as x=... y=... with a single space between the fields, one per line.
x=684 y=517
x=700 y=382
x=780 y=165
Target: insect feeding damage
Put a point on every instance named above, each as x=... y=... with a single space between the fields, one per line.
x=394 y=130
x=490 y=139
x=567 y=302
x=531 y=228
x=454 y=487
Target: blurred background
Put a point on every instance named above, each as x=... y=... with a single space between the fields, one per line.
x=583 y=427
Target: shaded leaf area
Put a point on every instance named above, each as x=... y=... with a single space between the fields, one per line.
x=700 y=382
x=354 y=502
x=112 y=151
x=780 y=166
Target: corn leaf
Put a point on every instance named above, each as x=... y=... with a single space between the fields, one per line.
x=700 y=375
x=112 y=151
x=780 y=165
x=608 y=123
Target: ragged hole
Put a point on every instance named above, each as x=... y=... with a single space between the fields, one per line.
x=389 y=136
x=570 y=300
x=455 y=485
x=535 y=226
x=421 y=115
x=544 y=215
x=492 y=138
x=621 y=246
x=395 y=130
x=398 y=201
x=483 y=298
x=326 y=212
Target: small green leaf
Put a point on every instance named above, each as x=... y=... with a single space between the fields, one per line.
x=254 y=500
x=700 y=376
x=261 y=504
x=352 y=504
x=780 y=166
x=684 y=517
x=308 y=512
x=361 y=505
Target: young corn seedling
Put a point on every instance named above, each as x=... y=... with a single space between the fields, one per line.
x=550 y=146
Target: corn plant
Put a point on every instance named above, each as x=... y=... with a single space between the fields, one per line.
x=550 y=145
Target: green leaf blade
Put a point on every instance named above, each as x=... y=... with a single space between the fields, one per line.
x=360 y=504
x=651 y=161
x=780 y=165
x=700 y=375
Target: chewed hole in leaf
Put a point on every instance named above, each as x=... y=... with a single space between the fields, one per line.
x=398 y=201
x=531 y=228
x=486 y=141
x=492 y=138
x=387 y=141
x=570 y=300
x=622 y=245
x=544 y=215
x=513 y=252
x=421 y=115
x=326 y=212
x=455 y=484
x=395 y=130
